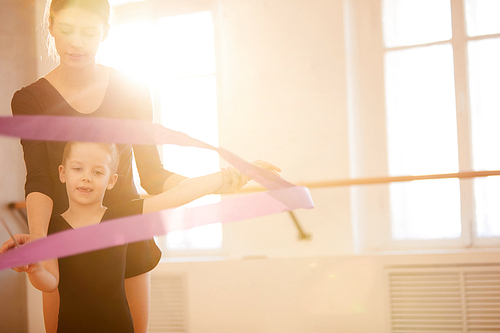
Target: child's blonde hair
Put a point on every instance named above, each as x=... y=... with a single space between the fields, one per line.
x=109 y=148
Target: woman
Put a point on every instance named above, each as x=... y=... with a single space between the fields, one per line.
x=81 y=87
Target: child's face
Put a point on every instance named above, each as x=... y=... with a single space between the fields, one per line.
x=86 y=174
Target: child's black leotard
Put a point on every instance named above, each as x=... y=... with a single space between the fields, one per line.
x=91 y=285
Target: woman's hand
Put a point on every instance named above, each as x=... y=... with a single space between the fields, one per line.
x=43 y=276
x=21 y=239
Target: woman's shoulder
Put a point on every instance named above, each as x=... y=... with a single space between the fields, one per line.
x=31 y=97
x=40 y=86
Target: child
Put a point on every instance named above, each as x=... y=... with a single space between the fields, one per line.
x=91 y=285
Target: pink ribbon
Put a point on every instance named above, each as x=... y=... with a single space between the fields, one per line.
x=281 y=196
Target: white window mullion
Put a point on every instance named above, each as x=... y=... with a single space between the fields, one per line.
x=459 y=44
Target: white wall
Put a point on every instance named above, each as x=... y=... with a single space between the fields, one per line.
x=345 y=294
x=283 y=99
x=17 y=68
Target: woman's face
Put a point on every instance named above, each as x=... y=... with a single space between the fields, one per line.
x=77 y=35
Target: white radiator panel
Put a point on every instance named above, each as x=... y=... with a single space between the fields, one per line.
x=168 y=311
x=482 y=295
x=445 y=299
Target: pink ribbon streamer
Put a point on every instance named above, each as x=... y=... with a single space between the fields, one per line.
x=282 y=195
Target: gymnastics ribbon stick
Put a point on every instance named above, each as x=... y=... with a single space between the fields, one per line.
x=282 y=195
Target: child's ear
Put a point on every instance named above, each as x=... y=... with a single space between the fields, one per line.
x=112 y=181
x=62 y=174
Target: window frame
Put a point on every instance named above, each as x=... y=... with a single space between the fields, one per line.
x=368 y=132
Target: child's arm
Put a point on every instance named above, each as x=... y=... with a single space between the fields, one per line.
x=226 y=181
x=185 y=192
x=43 y=276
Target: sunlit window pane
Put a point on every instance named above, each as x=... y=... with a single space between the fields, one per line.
x=190 y=106
x=127 y=47
x=185 y=45
x=176 y=55
x=422 y=139
x=482 y=17
x=425 y=209
x=421 y=119
x=487 y=194
x=411 y=22
x=484 y=76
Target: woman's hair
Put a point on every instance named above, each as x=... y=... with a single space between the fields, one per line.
x=98 y=7
x=109 y=148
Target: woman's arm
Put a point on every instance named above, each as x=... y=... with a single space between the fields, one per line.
x=38 y=208
x=137 y=291
x=50 y=310
x=154 y=178
x=39 y=185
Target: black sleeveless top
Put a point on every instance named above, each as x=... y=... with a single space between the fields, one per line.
x=124 y=99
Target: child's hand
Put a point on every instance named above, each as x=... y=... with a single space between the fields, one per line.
x=266 y=165
x=21 y=239
x=232 y=180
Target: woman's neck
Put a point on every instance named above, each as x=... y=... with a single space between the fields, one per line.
x=83 y=89
x=77 y=78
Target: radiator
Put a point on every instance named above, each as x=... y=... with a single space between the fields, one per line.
x=168 y=310
x=460 y=298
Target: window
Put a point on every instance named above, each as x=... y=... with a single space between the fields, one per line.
x=442 y=77
x=175 y=54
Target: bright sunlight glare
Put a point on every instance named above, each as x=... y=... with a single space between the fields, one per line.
x=175 y=55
